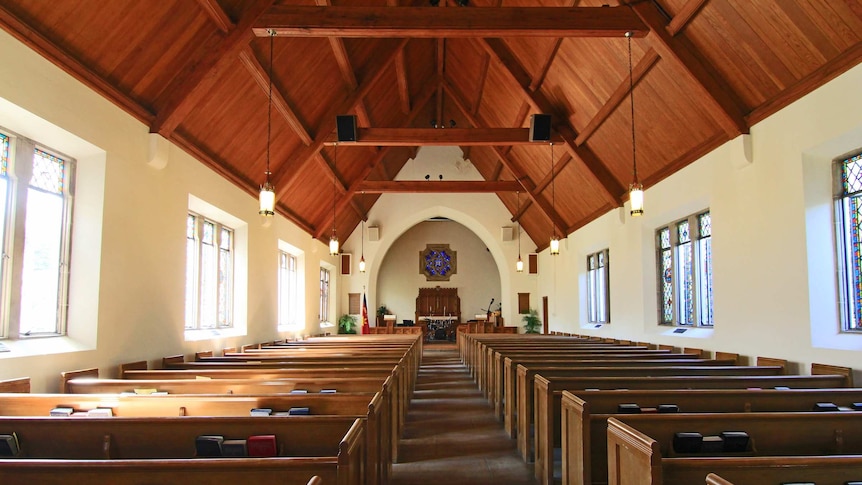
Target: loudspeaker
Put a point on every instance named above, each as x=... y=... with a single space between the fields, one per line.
x=373 y=233
x=346 y=127
x=540 y=127
x=507 y=233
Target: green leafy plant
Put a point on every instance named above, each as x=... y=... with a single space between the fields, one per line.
x=531 y=321
x=346 y=324
x=382 y=311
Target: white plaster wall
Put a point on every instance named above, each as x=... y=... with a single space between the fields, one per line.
x=399 y=279
x=138 y=311
x=773 y=256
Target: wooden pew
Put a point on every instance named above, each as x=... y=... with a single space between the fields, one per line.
x=366 y=406
x=713 y=479
x=506 y=392
x=585 y=415
x=640 y=450
x=162 y=450
x=548 y=403
x=20 y=384
x=548 y=387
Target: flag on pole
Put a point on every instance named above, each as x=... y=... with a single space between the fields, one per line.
x=365 y=326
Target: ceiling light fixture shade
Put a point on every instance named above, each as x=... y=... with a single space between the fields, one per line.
x=333 y=239
x=267 y=191
x=362 y=238
x=555 y=241
x=519 y=265
x=636 y=189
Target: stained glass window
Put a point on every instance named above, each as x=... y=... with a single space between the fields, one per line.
x=684 y=258
x=598 y=299
x=209 y=274
x=438 y=262
x=324 y=295
x=848 y=214
x=4 y=154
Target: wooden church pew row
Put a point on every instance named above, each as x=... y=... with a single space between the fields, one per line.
x=471 y=344
x=548 y=386
x=640 y=449
x=585 y=414
x=162 y=450
x=252 y=386
x=507 y=390
x=369 y=407
x=485 y=355
x=20 y=384
x=549 y=395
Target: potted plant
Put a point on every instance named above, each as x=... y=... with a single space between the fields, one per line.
x=346 y=324
x=531 y=321
x=381 y=311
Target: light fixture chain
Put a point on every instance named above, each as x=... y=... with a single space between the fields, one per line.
x=632 y=97
x=269 y=107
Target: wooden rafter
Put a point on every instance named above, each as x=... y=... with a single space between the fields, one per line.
x=418 y=106
x=686 y=14
x=66 y=61
x=261 y=77
x=194 y=82
x=613 y=189
x=439 y=137
x=546 y=180
x=217 y=14
x=401 y=79
x=288 y=172
x=620 y=93
x=437 y=186
x=429 y=22
x=721 y=103
x=513 y=167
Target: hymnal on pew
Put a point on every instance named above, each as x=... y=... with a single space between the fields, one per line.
x=261 y=445
x=299 y=391
x=261 y=411
x=100 y=413
x=327 y=391
x=234 y=448
x=298 y=412
x=209 y=445
x=9 y=445
x=62 y=411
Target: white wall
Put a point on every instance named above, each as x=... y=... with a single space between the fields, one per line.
x=399 y=279
x=128 y=303
x=773 y=258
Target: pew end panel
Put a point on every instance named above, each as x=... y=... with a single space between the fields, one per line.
x=633 y=457
x=203 y=354
x=170 y=360
x=825 y=369
x=65 y=377
x=129 y=366
x=772 y=361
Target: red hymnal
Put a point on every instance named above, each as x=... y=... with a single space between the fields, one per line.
x=261 y=445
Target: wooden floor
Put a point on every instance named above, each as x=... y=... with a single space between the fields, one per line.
x=451 y=436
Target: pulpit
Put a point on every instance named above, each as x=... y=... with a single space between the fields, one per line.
x=438 y=310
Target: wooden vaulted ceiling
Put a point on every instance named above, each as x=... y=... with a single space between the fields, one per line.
x=197 y=72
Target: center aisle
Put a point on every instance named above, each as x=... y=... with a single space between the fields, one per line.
x=451 y=436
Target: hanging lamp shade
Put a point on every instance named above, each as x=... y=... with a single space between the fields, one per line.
x=267 y=191
x=555 y=245
x=267 y=199
x=636 y=198
x=362 y=264
x=333 y=245
x=519 y=265
x=636 y=189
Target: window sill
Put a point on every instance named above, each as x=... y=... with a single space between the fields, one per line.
x=689 y=332
x=212 y=333
x=41 y=346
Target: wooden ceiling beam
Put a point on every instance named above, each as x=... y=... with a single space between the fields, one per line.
x=280 y=104
x=546 y=180
x=217 y=15
x=288 y=173
x=437 y=186
x=73 y=66
x=401 y=79
x=511 y=165
x=377 y=162
x=612 y=188
x=620 y=93
x=194 y=82
x=721 y=103
x=431 y=22
x=439 y=137
x=685 y=15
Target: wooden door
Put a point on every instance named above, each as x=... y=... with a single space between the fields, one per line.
x=545 y=315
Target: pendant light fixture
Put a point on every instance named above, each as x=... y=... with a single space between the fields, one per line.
x=555 y=242
x=519 y=265
x=362 y=257
x=333 y=240
x=267 y=191
x=636 y=189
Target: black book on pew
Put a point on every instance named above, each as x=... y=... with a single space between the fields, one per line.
x=209 y=445
x=628 y=408
x=735 y=441
x=298 y=412
x=687 y=442
x=857 y=406
x=825 y=406
x=261 y=411
x=327 y=391
x=668 y=408
x=9 y=445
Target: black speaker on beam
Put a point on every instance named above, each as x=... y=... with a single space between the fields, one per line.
x=346 y=127
x=540 y=127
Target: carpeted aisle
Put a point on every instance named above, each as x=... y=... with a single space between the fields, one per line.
x=451 y=436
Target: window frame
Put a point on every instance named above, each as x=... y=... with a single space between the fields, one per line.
x=199 y=269
x=848 y=272
x=325 y=294
x=288 y=297
x=598 y=287
x=669 y=254
x=19 y=174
